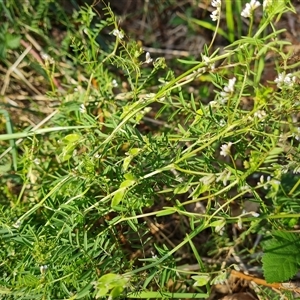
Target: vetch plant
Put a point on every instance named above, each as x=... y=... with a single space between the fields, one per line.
x=148 y=58
x=136 y=183
x=249 y=8
x=118 y=34
x=215 y=15
x=227 y=91
x=285 y=80
x=225 y=149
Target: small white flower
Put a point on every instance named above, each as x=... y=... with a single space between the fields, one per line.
x=225 y=149
x=114 y=83
x=224 y=176
x=118 y=33
x=206 y=60
x=47 y=58
x=261 y=180
x=249 y=8
x=269 y=182
x=260 y=114
x=246 y=13
x=224 y=97
x=240 y=224
x=230 y=87
x=37 y=161
x=216 y=3
x=222 y=123
x=199 y=71
x=215 y=15
x=227 y=91
x=254 y=214
x=246 y=188
x=148 y=58
x=17 y=224
x=43 y=269
x=213 y=103
x=285 y=80
x=82 y=109
x=296 y=169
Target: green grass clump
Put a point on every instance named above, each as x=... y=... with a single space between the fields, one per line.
x=124 y=179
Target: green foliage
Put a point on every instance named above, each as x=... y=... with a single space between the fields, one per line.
x=111 y=285
x=141 y=173
x=7 y=40
x=281 y=256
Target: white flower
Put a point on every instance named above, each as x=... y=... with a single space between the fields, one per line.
x=224 y=176
x=261 y=180
x=270 y=181
x=254 y=214
x=82 y=109
x=17 y=224
x=206 y=60
x=43 y=269
x=285 y=80
x=47 y=58
x=215 y=15
x=240 y=223
x=37 y=161
x=260 y=114
x=118 y=33
x=250 y=7
x=296 y=169
x=224 y=97
x=222 y=123
x=225 y=149
x=154 y=256
x=227 y=91
x=114 y=83
x=230 y=87
x=213 y=103
x=246 y=188
x=216 y=3
x=148 y=58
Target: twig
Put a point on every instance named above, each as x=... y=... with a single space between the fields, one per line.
x=288 y=286
x=13 y=69
x=12 y=143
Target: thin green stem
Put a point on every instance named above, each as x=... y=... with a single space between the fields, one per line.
x=9 y=130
